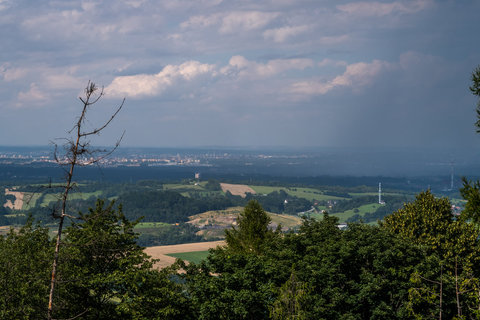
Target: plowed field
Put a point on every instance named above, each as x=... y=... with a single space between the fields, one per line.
x=165 y=261
x=237 y=189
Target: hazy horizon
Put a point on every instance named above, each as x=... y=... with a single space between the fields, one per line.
x=339 y=161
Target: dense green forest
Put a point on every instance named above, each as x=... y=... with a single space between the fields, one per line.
x=422 y=262
x=153 y=201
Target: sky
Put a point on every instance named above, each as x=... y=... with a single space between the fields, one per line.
x=319 y=73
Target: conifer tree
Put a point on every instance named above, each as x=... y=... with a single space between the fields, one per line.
x=252 y=230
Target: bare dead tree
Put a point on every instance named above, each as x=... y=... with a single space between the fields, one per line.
x=77 y=152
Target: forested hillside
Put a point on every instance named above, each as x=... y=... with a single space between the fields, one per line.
x=421 y=262
x=164 y=209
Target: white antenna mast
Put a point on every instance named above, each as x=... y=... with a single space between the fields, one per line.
x=451 y=175
x=380 y=201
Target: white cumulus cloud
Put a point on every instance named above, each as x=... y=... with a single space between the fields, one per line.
x=155 y=84
x=283 y=33
x=356 y=75
x=232 y=22
x=245 y=68
x=33 y=97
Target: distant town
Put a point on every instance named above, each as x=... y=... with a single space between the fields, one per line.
x=277 y=161
x=136 y=157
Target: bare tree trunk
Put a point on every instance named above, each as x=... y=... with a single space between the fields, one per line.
x=75 y=148
x=441 y=291
x=68 y=187
x=457 y=292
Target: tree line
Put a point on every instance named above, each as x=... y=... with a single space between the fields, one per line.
x=421 y=262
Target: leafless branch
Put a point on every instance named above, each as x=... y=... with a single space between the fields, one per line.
x=75 y=150
x=96 y=131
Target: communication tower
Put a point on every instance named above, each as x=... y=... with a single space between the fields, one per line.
x=451 y=175
x=380 y=201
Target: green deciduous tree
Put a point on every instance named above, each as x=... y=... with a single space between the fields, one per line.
x=231 y=285
x=105 y=274
x=320 y=273
x=429 y=221
x=237 y=281
x=154 y=295
x=451 y=243
x=292 y=300
x=470 y=191
x=25 y=272
x=99 y=257
x=360 y=273
x=475 y=89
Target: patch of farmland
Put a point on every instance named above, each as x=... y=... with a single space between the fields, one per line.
x=306 y=193
x=195 y=256
x=183 y=187
x=72 y=196
x=18 y=203
x=343 y=216
x=5 y=229
x=150 y=225
x=285 y=220
x=30 y=200
x=160 y=252
x=237 y=189
x=212 y=224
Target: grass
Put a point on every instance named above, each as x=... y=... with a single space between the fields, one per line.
x=72 y=196
x=306 y=193
x=151 y=225
x=194 y=256
x=14 y=215
x=343 y=216
x=30 y=200
x=363 y=194
x=286 y=221
x=183 y=187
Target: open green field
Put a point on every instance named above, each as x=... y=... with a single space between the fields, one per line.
x=343 y=216
x=195 y=256
x=30 y=200
x=361 y=211
x=151 y=225
x=306 y=193
x=184 y=187
x=13 y=215
x=72 y=196
x=363 y=194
